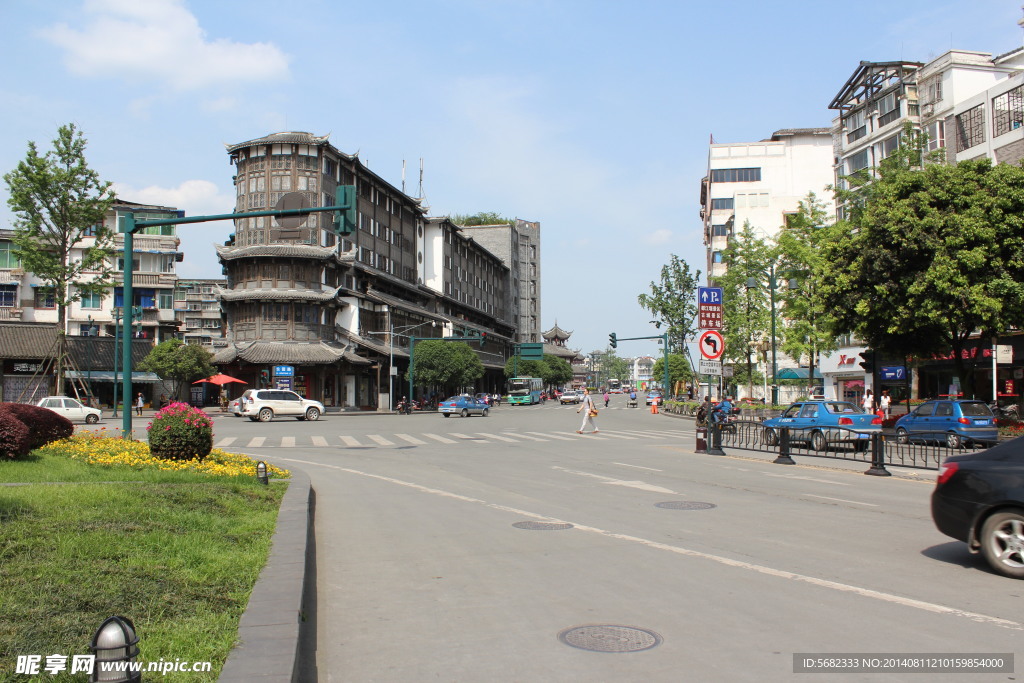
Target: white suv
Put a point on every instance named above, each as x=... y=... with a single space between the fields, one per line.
x=265 y=404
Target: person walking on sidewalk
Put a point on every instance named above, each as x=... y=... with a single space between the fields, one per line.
x=139 y=402
x=589 y=411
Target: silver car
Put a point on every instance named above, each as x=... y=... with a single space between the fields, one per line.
x=266 y=404
x=71 y=409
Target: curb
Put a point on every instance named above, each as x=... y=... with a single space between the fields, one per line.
x=268 y=642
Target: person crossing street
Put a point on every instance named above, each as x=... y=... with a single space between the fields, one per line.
x=589 y=411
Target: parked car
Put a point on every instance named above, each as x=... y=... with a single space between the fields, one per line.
x=821 y=423
x=235 y=407
x=71 y=408
x=651 y=395
x=953 y=421
x=570 y=397
x=266 y=404
x=464 y=405
x=979 y=499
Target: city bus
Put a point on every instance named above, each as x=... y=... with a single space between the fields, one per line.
x=614 y=386
x=524 y=390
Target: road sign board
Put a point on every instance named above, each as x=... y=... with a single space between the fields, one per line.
x=894 y=372
x=709 y=367
x=711 y=344
x=284 y=371
x=531 y=351
x=709 y=295
x=709 y=316
x=1004 y=353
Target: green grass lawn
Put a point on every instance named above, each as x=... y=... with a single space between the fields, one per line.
x=178 y=553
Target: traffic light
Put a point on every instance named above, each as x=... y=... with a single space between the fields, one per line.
x=483 y=339
x=265 y=377
x=345 y=220
x=869 y=361
x=613 y=341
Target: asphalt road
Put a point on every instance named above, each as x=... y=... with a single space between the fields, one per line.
x=424 y=575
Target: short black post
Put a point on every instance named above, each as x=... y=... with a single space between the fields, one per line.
x=784 y=457
x=716 y=439
x=877 y=468
x=702 y=439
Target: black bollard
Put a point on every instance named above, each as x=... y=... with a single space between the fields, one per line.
x=716 y=440
x=784 y=457
x=877 y=468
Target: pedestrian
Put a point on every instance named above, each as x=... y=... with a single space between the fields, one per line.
x=868 y=402
x=591 y=412
x=883 y=403
x=139 y=402
x=606 y=398
x=163 y=400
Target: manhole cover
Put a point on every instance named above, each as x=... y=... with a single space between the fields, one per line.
x=610 y=638
x=684 y=505
x=542 y=526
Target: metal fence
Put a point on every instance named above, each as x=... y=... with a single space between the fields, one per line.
x=837 y=443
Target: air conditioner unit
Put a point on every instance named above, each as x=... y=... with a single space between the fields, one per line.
x=927 y=109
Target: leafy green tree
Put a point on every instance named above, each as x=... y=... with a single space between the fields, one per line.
x=482 y=218
x=809 y=317
x=559 y=371
x=449 y=365
x=179 y=362
x=58 y=201
x=746 y=310
x=673 y=302
x=679 y=370
x=930 y=257
x=519 y=367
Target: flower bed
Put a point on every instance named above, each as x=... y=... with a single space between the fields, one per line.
x=97 y=449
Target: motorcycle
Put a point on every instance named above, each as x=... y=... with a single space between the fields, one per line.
x=1010 y=412
x=405 y=407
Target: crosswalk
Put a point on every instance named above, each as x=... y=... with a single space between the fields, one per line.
x=364 y=441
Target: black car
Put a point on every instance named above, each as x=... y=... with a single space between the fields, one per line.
x=979 y=499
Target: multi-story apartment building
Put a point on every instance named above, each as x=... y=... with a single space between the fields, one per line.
x=761 y=182
x=339 y=309
x=197 y=310
x=518 y=246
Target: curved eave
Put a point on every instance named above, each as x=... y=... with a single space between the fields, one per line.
x=229 y=253
x=278 y=295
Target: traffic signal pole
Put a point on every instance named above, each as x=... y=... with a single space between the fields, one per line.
x=613 y=340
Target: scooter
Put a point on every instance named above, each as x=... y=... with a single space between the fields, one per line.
x=404 y=408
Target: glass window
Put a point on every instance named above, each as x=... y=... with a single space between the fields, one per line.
x=725 y=204
x=735 y=175
x=9 y=255
x=944 y=410
x=809 y=410
x=92 y=300
x=970 y=128
x=44 y=298
x=925 y=410
x=8 y=296
x=1008 y=111
x=719 y=230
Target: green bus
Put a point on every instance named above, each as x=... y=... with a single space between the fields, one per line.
x=524 y=390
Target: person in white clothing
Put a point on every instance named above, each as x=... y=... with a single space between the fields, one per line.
x=586 y=407
x=868 y=402
x=884 y=401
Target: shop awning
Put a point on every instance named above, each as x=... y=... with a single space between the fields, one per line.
x=108 y=376
x=797 y=373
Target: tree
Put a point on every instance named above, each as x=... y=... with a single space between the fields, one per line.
x=674 y=302
x=929 y=257
x=179 y=362
x=551 y=369
x=58 y=202
x=809 y=325
x=559 y=371
x=449 y=365
x=482 y=218
x=679 y=370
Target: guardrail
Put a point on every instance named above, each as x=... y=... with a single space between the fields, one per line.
x=838 y=443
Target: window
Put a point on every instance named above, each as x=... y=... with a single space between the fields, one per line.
x=857 y=162
x=92 y=300
x=855 y=126
x=44 y=298
x=735 y=175
x=719 y=231
x=936 y=135
x=8 y=296
x=1008 y=111
x=724 y=204
x=933 y=89
x=9 y=255
x=890 y=146
x=716 y=257
x=888 y=109
x=970 y=128
x=166 y=299
x=141 y=297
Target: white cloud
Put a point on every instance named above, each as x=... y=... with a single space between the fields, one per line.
x=160 y=40
x=658 y=237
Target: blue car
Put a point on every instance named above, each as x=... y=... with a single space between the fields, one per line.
x=954 y=422
x=821 y=423
x=463 y=405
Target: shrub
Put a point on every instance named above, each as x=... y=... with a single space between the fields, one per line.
x=44 y=426
x=180 y=432
x=14 y=435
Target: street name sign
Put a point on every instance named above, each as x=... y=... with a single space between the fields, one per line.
x=709 y=367
x=711 y=344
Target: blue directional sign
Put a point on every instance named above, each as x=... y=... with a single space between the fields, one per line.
x=894 y=372
x=709 y=295
x=284 y=371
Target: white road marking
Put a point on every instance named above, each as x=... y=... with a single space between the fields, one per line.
x=377 y=438
x=319 y=441
x=256 y=441
x=224 y=443
x=411 y=439
x=439 y=438
x=619 y=436
x=350 y=441
x=643 y=486
x=738 y=564
x=467 y=437
x=841 y=500
x=559 y=437
x=639 y=467
x=287 y=442
x=534 y=438
x=644 y=435
x=496 y=436
x=794 y=476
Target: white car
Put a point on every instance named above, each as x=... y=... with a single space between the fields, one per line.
x=71 y=409
x=266 y=404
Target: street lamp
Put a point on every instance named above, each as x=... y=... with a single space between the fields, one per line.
x=772 y=284
x=391 y=347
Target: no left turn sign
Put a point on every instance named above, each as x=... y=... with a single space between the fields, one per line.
x=711 y=344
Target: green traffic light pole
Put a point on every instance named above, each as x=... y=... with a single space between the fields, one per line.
x=412 y=352
x=345 y=200
x=664 y=340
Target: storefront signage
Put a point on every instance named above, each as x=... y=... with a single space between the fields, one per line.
x=284 y=371
x=894 y=372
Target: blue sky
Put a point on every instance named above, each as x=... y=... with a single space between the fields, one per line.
x=591 y=117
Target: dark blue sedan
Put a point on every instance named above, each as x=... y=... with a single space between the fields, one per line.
x=464 y=405
x=954 y=422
